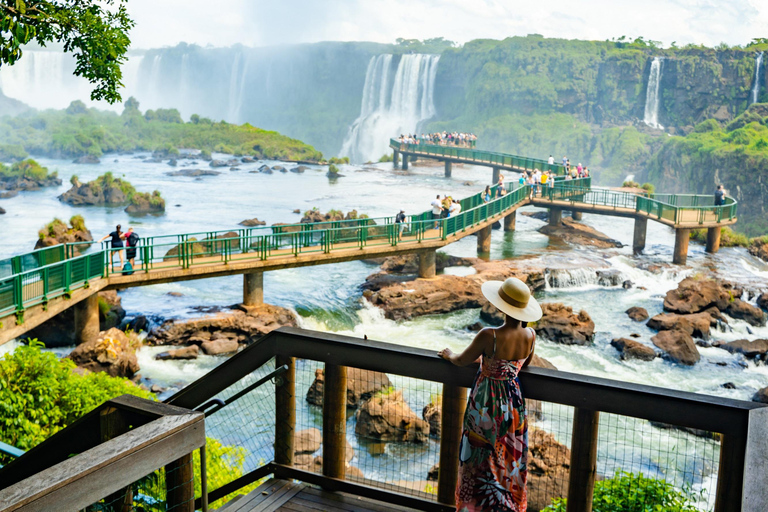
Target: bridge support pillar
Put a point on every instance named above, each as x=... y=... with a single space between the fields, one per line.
x=448 y=168
x=484 y=240
x=713 y=239
x=396 y=159
x=427 y=264
x=405 y=162
x=510 y=221
x=496 y=174
x=680 y=256
x=253 y=288
x=638 y=241
x=576 y=215
x=555 y=216
x=87 y=319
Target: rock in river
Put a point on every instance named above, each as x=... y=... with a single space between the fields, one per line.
x=637 y=314
x=678 y=347
x=562 y=325
x=361 y=385
x=757 y=349
x=631 y=349
x=112 y=352
x=387 y=417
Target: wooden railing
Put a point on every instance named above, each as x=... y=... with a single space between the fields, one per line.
x=101 y=456
x=743 y=462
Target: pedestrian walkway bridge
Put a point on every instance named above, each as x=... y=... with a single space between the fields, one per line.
x=38 y=285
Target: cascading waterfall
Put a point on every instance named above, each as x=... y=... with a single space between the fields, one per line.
x=652 y=97
x=184 y=79
x=389 y=109
x=756 y=86
x=236 y=87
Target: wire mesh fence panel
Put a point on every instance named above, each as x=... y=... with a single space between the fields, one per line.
x=549 y=452
x=308 y=439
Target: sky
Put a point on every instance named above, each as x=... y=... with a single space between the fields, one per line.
x=270 y=22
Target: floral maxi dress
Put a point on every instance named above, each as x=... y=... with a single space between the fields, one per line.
x=493 y=459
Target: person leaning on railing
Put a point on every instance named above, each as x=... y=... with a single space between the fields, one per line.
x=493 y=453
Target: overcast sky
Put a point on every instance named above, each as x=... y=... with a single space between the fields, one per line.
x=268 y=22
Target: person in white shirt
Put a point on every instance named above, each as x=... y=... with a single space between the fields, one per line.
x=437 y=209
x=551 y=160
x=455 y=208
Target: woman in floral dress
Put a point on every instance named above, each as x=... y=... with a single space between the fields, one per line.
x=493 y=458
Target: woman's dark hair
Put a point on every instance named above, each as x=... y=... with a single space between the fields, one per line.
x=487 y=188
x=514 y=322
x=118 y=228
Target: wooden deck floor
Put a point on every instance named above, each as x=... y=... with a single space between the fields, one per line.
x=292 y=496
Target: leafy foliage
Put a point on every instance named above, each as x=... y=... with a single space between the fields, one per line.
x=628 y=492
x=95 y=32
x=26 y=169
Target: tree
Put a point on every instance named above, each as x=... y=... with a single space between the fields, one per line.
x=94 y=31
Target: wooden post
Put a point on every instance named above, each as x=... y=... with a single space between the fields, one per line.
x=509 y=221
x=555 y=216
x=451 y=423
x=448 y=168
x=285 y=411
x=496 y=174
x=730 y=474
x=112 y=424
x=638 y=241
x=180 y=485
x=713 y=239
x=334 y=420
x=87 y=319
x=581 y=482
x=680 y=256
x=427 y=264
x=576 y=215
x=253 y=288
x=484 y=239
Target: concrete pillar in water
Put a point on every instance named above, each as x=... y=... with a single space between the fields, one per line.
x=484 y=239
x=680 y=256
x=509 y=221
x=448 y=168
x=87 y=319
x=405 y=162
x=576 y=215
x=396 y=159
x=427 y=264
x=638 y=241
x=555 y=216
x=496 y=174
x=713 y=239
x=253 y=288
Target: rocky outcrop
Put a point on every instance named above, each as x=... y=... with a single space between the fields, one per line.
x=91 y=194
x=762 y=301
x=577 y=233
x=144 y=203
x=409 y=263
x=761 y=396
x=19 y=182
x=759 y=249
x=361 y=385
x=387 y=417
x=678 y=346
x=219 y=344
x=57 y=232
x=190 y=352
x=696 y=325
x=631 y=349
x=637 y=314
x=112 y=352
x=737 y=308
x=560 y=324
x=244 y=325
x=206 y=246
x=757 y=349
x=249 y=223
x=307 y=441
x=540 y=362
x=87 y=159
x=697 y=294
x=193 y=173
x=433 y=414
x=548 y=469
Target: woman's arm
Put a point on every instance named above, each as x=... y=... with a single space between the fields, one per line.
x=533 y=347
x=472 y=353
x=104 y=238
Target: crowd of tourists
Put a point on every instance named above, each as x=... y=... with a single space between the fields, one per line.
x=580 y=171
x=467 y=140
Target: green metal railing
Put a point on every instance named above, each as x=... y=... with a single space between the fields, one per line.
x=479 y=156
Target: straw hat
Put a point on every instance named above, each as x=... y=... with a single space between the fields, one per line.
x=513 y=298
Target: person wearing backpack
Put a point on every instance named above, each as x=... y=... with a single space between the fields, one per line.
x=131 y=241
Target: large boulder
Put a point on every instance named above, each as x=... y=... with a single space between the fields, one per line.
x=57 y=232
x=761 y=396
x=190 y=352
x=762 y=301
x=560 y=324
x=144 y=203
x=112 y=352
x=737 y=308
x=696 y=325
x=387 y=417
x=249 y=223
x=548 y=469
x=540 y=362
x=580 y=234
x=637 y=314
x=759 y=249
x=219 y=346
x=307 y=441
x=678 y=346
x=631 y=349
x=361 y=385
x=696 y=294
x=433 y=414
x=757 y=349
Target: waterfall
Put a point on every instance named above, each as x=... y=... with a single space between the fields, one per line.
x=652 y=95
x=236 y=87
x=756 y=87
x=389 y=109
x=183 y=80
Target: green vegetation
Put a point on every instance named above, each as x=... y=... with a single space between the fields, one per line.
x=27 y=169
x=57 y=227
x=107 y=181
x=154 y=199
x=334 y=160
x=94 y=32
x=730 y=238
x=386 y=157
x=9 y=152
x=79 y=131
x=41 y=394
x=628 y=492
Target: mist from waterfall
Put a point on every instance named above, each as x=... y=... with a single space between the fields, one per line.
x=391 y=106
x=756 y=86
x=652 y=97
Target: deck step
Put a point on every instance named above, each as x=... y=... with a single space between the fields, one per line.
x=268 y=497
x=227 y=507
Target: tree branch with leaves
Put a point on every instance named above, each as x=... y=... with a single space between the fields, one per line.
x=95 y=32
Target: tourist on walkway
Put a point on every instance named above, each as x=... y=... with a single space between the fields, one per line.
x=131 y=241
x=551 y=160
x=400 y=224
x=487 y=194
x=437 y=209
x=719 y=196
x=455 y=208
x=447 y=202
x=500 y=190
x=493 y=454
x=116 y=246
